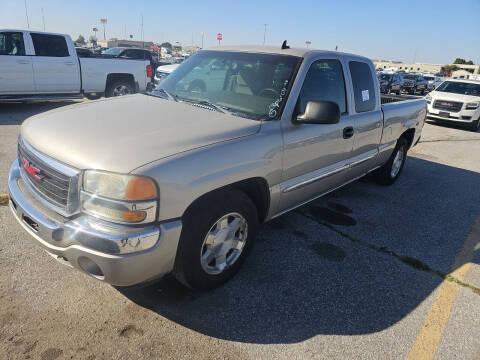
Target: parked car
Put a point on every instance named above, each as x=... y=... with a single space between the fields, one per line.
x=456 y=101
x=390 y=82
x=44 y=66
x=84 y=52
x=432 y=81
x=163 y=71
x=179 y=180
x=128 y=53
x=414 y=83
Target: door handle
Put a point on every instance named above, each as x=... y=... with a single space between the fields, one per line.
x=23 y=62
x=347 y=132
x=69 y=63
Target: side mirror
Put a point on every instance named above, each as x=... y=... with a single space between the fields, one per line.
x=319 y=112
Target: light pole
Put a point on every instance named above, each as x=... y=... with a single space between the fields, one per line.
x=203 y=34
x=43 y=20
x=104 y=21
x=264 y=32
x=26 y=14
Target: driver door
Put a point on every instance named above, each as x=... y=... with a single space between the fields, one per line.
x=316 y=155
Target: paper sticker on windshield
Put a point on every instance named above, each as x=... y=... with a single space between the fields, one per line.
x=365 y=95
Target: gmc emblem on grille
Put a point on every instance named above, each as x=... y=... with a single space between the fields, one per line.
x=32 y=170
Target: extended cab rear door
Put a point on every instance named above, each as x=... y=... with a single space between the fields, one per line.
x=55 y=64
x=16 y=70
x=366 y=114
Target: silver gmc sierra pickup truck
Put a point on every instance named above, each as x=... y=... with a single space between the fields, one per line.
x=177 y=181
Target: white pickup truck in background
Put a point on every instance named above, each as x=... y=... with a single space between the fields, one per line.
x=43 y=66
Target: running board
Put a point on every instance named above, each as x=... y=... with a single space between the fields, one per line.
x=41 y=98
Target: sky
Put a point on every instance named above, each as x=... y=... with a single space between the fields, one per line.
x=434 y=31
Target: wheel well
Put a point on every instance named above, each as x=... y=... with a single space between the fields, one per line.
x=409 y=135
x=255 y=188
x=111 y=78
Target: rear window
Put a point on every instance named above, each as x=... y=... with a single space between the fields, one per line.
x=50 y=45
x=12 y=44
x=363 y=87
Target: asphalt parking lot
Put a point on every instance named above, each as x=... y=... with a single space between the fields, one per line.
x=368 y=272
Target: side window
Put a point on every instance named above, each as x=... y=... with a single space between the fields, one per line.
x=11 y=43
x=50 y=45
x=126 y=54
x=363 y=87
x=324 y=81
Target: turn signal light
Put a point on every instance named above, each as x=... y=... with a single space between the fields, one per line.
x=140 y=188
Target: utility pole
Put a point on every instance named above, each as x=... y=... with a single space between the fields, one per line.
x=43 y=20
x=203 y=35
x=264 y=32
x=26 y=14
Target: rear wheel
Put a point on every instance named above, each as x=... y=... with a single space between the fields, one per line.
x=119 y=88
x=217 y=234
x=389 y=173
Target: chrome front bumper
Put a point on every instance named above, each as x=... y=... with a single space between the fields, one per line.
x=119 y=255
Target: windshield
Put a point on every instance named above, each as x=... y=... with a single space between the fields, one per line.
x=429 y=78
x=410 y=77
x=252 y=85
x=385 y=77
x=460 y=88
x=112 y=51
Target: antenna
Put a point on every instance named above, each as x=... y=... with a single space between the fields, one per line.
x=284 y=45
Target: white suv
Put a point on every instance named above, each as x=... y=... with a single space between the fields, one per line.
x=432 y=81
x=457 y=101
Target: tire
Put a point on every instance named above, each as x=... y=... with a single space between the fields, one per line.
x=399 y=91
x=423 y=92
x=119 y=88
x=93 y=96
x=475 y=125
x=386 y=175
x=200 y=224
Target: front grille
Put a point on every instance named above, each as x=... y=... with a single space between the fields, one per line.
x=53 y=185
x=452 y=106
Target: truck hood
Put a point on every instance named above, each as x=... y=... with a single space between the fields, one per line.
x=121 y=134
x=440 y=95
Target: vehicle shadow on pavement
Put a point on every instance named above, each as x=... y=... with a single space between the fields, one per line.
x=450 y=125
x=336 y=266
x=16 y=113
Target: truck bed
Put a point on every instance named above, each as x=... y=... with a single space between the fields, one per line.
x=391 y=98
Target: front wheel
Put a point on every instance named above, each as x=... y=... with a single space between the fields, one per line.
x=389 y=173
x=217 y=234
x=476 y=125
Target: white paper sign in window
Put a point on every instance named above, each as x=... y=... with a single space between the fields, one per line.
x=365 y=95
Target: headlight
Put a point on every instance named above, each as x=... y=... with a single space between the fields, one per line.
x=472 y=106
x=119 y=198
x=428 y=98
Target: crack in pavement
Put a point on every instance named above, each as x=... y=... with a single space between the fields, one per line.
x=410 y=261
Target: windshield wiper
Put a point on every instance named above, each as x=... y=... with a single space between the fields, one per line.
x=170 y=96
x=207 y=103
